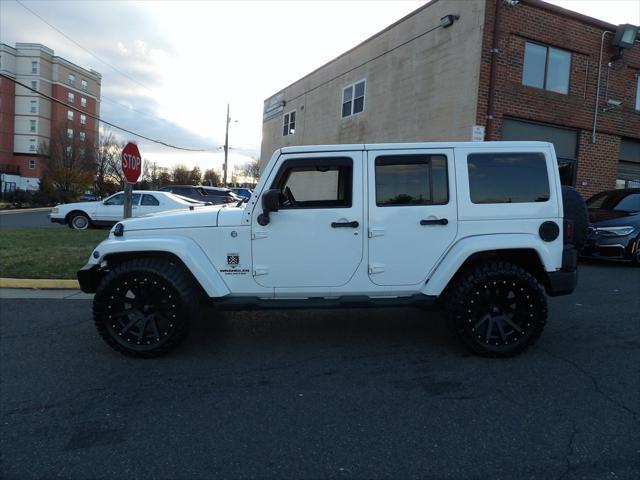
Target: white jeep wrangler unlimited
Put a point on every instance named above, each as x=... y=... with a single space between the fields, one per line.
x=476 y=227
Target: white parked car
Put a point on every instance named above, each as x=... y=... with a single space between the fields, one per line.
x=83 y=215
x=484 y=229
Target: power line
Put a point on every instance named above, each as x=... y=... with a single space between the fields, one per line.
x=95 y=117
x=82 y=47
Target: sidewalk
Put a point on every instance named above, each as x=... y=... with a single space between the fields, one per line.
x=31 y=294
x=24 y=210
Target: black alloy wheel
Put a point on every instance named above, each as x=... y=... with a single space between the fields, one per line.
x=143 y=307
x=498 y=310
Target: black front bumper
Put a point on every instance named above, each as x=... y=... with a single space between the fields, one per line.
x=89 y=277
x=565 y=280
x=57 y=220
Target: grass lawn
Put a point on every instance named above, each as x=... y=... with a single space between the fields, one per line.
x=46 y=252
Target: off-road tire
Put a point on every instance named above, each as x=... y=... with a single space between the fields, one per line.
x=487 y=302
x=79 y=221
x=157 y=318
x=575 y=211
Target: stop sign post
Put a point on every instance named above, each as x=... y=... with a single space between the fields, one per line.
x=131 y=162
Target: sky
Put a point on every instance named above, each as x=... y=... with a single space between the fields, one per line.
x=184 y=61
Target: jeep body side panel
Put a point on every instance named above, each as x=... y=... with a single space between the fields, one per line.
x=188 y=251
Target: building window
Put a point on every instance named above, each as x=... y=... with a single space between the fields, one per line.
x=32 y=126
x=353 y=99
x=34 y=84
x=546 y=67
x=34 y=67
x=82 y=136
x=69 y=151
x=84 y=84
x=32 y=144
x=69 y=132
x=69 y=115
x=83 y=101
x=83 y=119
x=638 y=91
x=71 y=79
x=71 y=97
x=32 y=164
x=289 y=127
x=34 y=106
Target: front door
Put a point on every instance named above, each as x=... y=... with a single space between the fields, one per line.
x=412 y=213
x=316 y=238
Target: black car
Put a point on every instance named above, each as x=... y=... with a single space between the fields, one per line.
x=212 y=195
x=614 y=230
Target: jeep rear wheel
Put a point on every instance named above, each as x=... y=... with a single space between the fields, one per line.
x=498 y=310
x=143 y=307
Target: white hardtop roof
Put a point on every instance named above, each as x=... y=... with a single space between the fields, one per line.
x=410 y=146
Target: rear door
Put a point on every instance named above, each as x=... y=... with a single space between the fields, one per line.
x=412 y=213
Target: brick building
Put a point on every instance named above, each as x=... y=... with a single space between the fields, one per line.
x=479 y=69
x=29 y=121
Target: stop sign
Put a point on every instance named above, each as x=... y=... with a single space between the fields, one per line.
x=131 y=162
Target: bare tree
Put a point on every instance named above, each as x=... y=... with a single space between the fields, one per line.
x=180 y=174
x=70 y=164
x=109 y=176
x=251 y=169
x=195 y=176
x=212 y=178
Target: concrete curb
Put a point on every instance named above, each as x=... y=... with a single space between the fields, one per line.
x=39 y=283
x=24 y=210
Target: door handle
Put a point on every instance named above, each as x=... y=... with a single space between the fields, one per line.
x=345 y=224
x=439 y=221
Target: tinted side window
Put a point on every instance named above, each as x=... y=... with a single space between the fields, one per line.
x=508 y=177
x=316 y=183
x=149 y=200
x=135 y=199
x=116 y=200
x=629 y=203
x=411 y=180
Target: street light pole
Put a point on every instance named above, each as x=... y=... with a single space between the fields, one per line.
x=226 y=149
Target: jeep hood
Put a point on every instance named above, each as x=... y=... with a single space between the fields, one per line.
x=209 y=216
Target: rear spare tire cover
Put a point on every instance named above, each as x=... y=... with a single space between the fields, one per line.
x=575 y=212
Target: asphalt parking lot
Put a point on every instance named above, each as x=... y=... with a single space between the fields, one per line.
x=327 y=394
x=37 y=219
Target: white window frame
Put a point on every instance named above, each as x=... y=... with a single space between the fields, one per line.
x=83 y=119
x=83 y=135
x=287 y=125
x=69 y=133
x=70 y=115
x=32 y=164
x=34 y=106
x=71 y=79
x=83 y=102
x=34 y=67
x=83 y=84
x=352 y=86
x=32 y=144
x=33 y=126
x=71 y=97
x=34 y=84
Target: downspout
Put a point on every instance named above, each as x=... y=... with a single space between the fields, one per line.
x=595 y=110
x=492 y=72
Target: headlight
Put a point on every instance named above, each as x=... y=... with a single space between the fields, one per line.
x=55 y=210
x=614 y=231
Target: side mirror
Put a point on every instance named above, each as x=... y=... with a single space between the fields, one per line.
x=270 y=203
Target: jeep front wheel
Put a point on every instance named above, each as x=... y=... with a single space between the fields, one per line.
x=498 y=309
x=143 y=307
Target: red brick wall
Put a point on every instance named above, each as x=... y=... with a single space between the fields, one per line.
x=597 y=163
x=7 y=109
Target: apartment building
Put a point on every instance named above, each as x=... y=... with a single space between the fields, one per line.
x=28 y=120
x=460 y=70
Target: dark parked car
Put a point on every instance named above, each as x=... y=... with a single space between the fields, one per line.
x=614 y=230
x=213 y=195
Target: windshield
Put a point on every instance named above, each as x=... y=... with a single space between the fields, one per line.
x=185 y=200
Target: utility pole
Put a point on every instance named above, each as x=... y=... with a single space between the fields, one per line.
x=226 y=149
